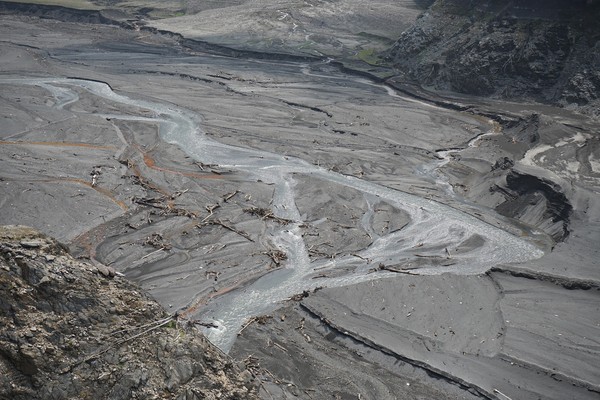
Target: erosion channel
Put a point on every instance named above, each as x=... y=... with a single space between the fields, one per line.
x=303 y=214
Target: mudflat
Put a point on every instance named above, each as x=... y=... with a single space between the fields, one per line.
x=338 y=234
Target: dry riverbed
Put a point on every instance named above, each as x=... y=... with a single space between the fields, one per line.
x=329 y=230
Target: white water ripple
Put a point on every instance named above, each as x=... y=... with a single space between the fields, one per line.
x=432 y=225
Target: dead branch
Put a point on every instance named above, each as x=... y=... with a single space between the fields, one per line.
x=138 y=180
x=154 y=202
x=277 y=256
x=266 y=213
x=149 y=328
x=280 y=347
x=156 y=240
x=205 y=324
x=214 y=248
x=210 y=208
x=228 y=227
x=300 y=328
x=316 y=253
x=261 y=319
x=213 y=274
x=182 y=212
x=247 y=324
x=154 y=252
x=163 y=203
x=383 y=267
x=313 y=252
x=299 y=296
x=134 y=328
x=178 y=193
x=361 y=257
x=202 y=165
x=228 y=196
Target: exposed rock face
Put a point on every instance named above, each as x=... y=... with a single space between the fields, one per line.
x=537 y=201
x=542 y=50
x=56 y=12
x=69 y=329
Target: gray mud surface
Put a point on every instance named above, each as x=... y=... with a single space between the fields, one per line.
x=342 y=238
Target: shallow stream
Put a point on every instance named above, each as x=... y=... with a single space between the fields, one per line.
x=433 y=226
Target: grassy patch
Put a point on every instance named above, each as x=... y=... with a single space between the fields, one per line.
x=370 y=56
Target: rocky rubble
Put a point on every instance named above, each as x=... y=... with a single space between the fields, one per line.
x=71 y=329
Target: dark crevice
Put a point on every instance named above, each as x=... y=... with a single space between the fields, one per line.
x=316 y=109
x=565 y=282
x=431 y=371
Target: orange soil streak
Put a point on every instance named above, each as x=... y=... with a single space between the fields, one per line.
x=59 y=144
x=136 y=171
x=89 y=240
x=103 y=191
x=150 y=163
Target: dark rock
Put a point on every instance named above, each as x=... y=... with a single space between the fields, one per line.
x=68 y=332
x=537 y=201
x=27 y=360
x=31 y=244
x=105 y=271
x=542 y=50
x=503 y=163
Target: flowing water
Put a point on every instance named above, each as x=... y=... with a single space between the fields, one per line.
x=433 y=226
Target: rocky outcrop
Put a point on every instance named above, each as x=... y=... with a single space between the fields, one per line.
x=56 y=12
x=541 y=50
x=71 y=329
x=536 y=201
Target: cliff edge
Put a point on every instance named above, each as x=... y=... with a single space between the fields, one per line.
x=72 y=329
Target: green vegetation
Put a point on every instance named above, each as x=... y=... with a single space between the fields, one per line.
x=306 y=45
x=370 y=56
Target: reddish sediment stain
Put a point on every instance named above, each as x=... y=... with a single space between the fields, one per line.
x=151 y=163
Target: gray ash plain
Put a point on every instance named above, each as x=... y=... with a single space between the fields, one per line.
x=344 y=238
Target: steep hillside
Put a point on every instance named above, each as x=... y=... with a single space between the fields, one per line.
x=69 y=329
x=530 y=50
